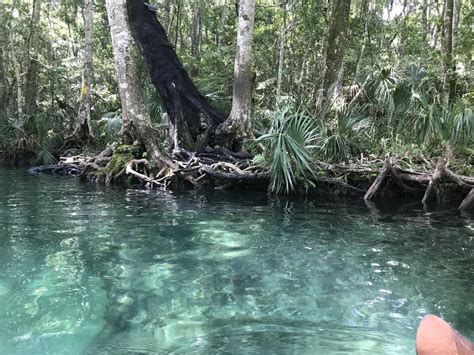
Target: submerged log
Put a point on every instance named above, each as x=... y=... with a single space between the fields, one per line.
x=57 y=169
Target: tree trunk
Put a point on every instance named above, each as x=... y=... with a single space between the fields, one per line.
x=320 y=57
x=367 y=12
x=192 y=119
x=83 y=129
x=238 y=124
x=456 y=15
x=167 y=15
x=31 y=81
x=196 y=33
x=2 y=70
x=178 y=23
x=281 y=59
x=136 y=123
x=196 y=37
x=448 y=77
x=334 y=51
x=221 y=29
x=19 y=87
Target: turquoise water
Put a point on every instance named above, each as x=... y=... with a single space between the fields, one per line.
x=86 y=269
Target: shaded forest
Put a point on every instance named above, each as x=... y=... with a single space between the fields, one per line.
x=291 y=93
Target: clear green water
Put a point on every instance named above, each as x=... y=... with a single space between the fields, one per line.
x=87 y=270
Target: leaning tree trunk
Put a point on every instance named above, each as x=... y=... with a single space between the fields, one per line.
x=335 y=46
x=192 y=119
x=31 y=81
x=238 y=124
x=196 y=33
x=83 y=129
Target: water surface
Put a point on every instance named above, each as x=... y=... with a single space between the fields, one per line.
x=86 y=269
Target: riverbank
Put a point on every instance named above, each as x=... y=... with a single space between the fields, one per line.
x=431 y=182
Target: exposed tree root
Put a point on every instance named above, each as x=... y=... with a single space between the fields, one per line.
x=57 y=169
x=468 y=203
x=130 y=169
x=376 y=186
x=99 y=163
x=222 y=169
x=415 y=182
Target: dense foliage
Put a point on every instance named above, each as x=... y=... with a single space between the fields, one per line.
x=390 y=95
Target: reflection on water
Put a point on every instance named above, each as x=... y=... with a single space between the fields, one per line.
x=87 y=270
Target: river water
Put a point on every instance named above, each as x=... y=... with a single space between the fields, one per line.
x=86 y=269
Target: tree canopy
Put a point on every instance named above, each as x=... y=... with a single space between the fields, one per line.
x=370 y=76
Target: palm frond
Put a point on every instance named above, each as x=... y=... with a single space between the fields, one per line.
x=289 y=141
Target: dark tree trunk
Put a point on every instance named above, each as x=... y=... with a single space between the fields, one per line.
x=192 y=119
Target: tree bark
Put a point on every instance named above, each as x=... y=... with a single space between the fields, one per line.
x=134 y=111
x=424 y=20
x=167 y=15
x=196 y=33
x=221 y=29
x=196 y=38
x=281 y=59
x=31 y=81
x=334 y=52
x=456 y=17
x=83 y=129
x=2 y=66
x=192 y=119
x=238 y=124
x=367 y=12
x=19 y=87
x=448 y=78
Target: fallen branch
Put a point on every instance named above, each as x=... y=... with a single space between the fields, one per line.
x=377 y=184
x=263 y=177
x=130 y=171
